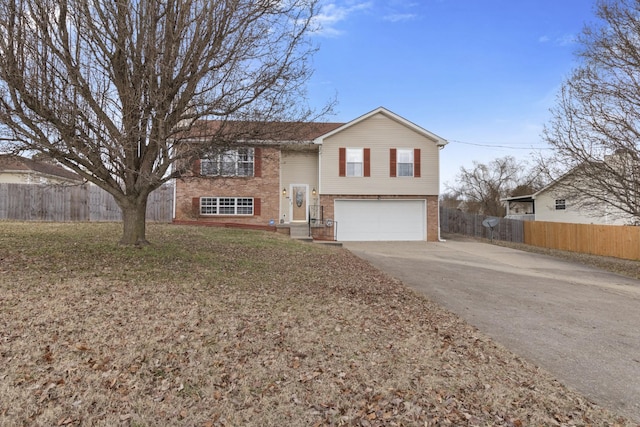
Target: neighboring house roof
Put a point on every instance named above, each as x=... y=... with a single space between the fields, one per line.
x=573 y=172
x=18 y=164
x=441 y=142
x=586 y=208
x=531 y=197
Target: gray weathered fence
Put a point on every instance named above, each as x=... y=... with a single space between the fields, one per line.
x=458 y=222
x=60 y=203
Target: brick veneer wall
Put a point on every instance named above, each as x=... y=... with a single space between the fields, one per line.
x=265 y=187
x=327 y=201
x=433 y=225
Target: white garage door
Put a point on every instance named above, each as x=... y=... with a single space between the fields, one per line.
x=360 y=220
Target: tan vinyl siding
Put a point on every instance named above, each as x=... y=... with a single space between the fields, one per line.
x=297 y=167
x=379 y=133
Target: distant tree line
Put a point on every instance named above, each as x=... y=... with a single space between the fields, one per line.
x=479 y=189
x=593 y=133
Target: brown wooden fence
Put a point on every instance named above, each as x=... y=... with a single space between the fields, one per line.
x=24 y=202
x=606 y=240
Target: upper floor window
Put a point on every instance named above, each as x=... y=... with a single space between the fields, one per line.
x=234 y=162
x=405 y=162
x=355 y=161
x=561 y=204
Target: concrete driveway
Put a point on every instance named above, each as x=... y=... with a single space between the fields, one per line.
x=579 y=323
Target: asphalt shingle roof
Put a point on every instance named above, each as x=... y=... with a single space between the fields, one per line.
x=11 y=163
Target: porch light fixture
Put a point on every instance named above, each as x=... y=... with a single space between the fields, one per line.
x=284 y=191
x=313 y=191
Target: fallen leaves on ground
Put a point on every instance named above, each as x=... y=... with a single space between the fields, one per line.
x=213 y=327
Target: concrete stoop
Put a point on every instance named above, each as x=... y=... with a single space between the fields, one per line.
x=301 y=232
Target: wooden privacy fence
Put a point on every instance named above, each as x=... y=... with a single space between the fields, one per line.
x=458 y=222
x=607 y=240
x=25 y=202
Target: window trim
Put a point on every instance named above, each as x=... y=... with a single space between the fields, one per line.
x=360 y=152
x=399 y=152
x=366 y=162
x=394 y=164
x=235 y=206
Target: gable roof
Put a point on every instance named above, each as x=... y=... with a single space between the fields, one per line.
x=544 y=189
x=275 y=132
x=440 y=142
x=290 y=132
x=19 y=164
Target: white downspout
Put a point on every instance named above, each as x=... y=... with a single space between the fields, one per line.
x=173 y=208
x=440 y=239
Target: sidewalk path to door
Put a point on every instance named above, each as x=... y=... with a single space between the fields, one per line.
x=579 y=323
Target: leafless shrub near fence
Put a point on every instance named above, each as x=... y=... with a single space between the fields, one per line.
x=61 y=203
x=458 y=222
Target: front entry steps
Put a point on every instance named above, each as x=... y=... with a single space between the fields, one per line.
x=300 y=231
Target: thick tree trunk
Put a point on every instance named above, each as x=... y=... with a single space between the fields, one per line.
x=134 y=218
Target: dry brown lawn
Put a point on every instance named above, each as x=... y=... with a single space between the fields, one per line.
x=216 y=327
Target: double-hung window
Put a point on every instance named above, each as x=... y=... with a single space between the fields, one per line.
x=234 y=162
x=561 y=204
x=355 y=161
x=226 y=206
x=405 y=162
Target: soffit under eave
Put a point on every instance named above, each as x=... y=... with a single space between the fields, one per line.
x=299 y=146
x=248 y=142
x=516 y=199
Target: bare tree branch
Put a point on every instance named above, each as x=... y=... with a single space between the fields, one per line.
x=106 y=87
x=481 y=187
x=595 y=126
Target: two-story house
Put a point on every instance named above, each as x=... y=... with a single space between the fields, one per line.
x=373 y=178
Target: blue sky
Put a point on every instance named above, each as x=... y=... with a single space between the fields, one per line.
x=480 y=73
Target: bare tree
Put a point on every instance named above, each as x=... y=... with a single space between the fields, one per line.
x=481 y=187
x=108 y=87
x=595 y=127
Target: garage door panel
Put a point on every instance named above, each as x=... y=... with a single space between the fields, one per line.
x=379 y=220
